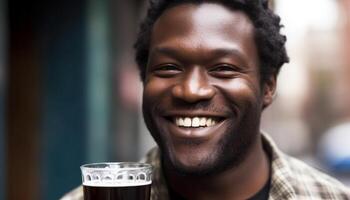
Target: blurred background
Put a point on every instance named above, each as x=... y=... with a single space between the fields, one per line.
x=70 y=91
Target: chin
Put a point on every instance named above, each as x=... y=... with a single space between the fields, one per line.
x=226 y=154
x=191 y=169
x=190 y=165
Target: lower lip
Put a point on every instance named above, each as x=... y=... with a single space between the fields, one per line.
x=200 y=133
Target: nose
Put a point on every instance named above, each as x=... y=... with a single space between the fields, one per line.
x=194 y=87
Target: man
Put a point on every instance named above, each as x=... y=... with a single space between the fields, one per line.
x=209 y=69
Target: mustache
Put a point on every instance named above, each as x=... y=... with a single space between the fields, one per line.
x=203 y=106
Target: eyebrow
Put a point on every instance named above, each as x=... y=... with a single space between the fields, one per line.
x=228 y=52
x=216 y=53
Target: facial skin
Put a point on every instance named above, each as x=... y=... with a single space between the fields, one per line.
x=203 y=65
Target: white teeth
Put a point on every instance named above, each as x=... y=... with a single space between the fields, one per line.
x=181 y=122
x=202 y=121
x=195 y=121
x=187 y=122
x=208 y=122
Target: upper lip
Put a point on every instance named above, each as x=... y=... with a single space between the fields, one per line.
x=195 y=113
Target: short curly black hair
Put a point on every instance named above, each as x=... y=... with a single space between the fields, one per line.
x=270 y=42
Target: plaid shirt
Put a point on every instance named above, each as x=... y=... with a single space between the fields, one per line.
x=290 y=179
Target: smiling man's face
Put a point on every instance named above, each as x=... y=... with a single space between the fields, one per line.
x=202 y=97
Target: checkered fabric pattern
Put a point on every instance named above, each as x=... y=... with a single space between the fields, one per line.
x=291 y=179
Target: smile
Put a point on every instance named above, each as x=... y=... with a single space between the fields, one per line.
x=195 y=122
x=195 y=126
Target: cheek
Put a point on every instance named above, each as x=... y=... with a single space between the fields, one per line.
x=242 y=92
x=154 y=89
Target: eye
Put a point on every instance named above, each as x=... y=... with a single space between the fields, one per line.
x=167 y=70
x=224 y=70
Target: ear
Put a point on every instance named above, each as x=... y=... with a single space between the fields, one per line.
x=269 y=90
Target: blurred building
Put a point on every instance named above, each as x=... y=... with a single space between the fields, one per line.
x=313 y=92
x=71 y=94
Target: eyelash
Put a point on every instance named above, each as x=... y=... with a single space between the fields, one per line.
x=166 y=70
x=166 y=67
x=223 y=68
x=174 y=67
x=220 y=71
x=224 y=71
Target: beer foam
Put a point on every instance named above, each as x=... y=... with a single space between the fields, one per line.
x=116 y=183
x=116 y=174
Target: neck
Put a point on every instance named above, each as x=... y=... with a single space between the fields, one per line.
x=240 y=182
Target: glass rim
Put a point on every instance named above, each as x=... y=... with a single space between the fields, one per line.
x=129 y=165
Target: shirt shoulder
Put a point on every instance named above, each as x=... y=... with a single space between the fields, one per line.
x=293 y=179
x=311 y=182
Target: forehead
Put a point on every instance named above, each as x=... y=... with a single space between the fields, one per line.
x=213 y=15
x=202 y=26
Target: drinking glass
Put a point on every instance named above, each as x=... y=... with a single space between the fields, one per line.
x=117 y=181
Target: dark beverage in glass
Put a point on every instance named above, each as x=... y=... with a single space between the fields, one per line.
x=117 y=181
x=121 y=193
